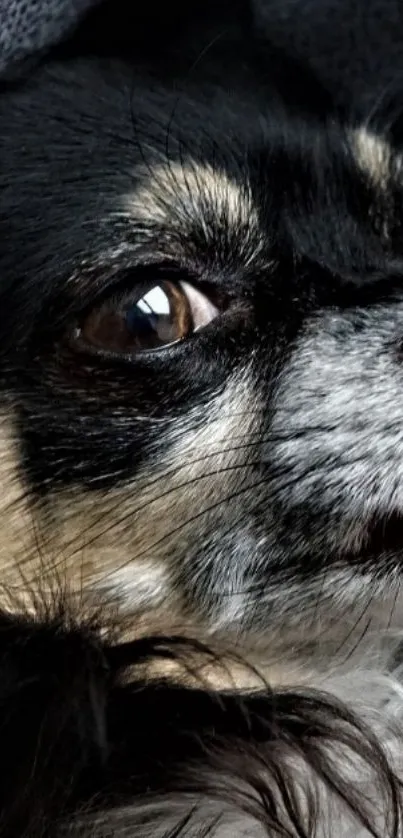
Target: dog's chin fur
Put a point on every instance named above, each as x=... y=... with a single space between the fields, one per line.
x=201 y=607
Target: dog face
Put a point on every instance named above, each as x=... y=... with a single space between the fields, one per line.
x=201 y=365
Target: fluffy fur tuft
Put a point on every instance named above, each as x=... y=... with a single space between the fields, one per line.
x=91 y=746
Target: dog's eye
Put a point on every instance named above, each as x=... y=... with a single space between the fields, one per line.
x=161 y=314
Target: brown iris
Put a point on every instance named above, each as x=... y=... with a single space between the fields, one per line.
x=158 y=316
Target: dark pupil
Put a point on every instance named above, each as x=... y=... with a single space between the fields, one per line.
x=142 y=324
x=151 y=320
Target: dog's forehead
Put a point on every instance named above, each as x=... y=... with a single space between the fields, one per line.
x=238 y=212
x=114 y=185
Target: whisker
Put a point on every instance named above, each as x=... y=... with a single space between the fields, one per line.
x=189 y=521
x=133 y=512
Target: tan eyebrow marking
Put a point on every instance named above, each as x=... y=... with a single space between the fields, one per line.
x=180 y=197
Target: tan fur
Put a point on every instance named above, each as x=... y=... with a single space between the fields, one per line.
x=175 y=197
x=374 y=157
x=17 y=518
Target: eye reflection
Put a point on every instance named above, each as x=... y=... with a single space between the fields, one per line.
x=155 y=301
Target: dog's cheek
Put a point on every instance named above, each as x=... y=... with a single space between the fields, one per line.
x=145 y=542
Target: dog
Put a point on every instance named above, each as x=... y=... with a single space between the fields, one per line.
x=201 y=440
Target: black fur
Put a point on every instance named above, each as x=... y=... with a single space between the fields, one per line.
x=256 y=464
